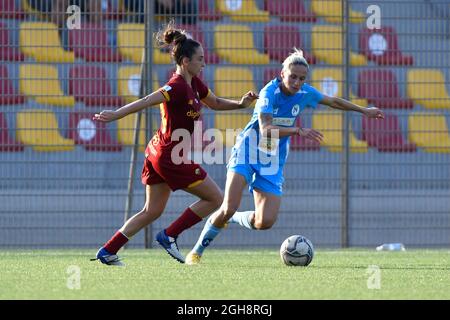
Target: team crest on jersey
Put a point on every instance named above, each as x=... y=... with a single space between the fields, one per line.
x=295 y=110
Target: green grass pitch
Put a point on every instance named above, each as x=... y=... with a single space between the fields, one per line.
x=226 y=274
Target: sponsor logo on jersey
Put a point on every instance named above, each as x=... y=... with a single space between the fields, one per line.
x=193 y=114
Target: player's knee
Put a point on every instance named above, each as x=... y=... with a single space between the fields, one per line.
x=263 y=224
x=151 y=214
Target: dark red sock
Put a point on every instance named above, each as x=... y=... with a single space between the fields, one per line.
x=116 y=242
x=185 y=221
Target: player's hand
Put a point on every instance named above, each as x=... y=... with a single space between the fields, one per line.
x=106 y=116
x=374 y=113
x=310 y=134
x=248 y=98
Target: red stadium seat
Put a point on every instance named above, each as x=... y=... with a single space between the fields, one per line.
x=91 y=43
x=7 y=93
x=270 y=74
x=205 y=13
x=7 y=50
x=385 y=134
x=289 y=10
x=380 y=88
x=89 y=84
x=7 y=144
x=381 y=46
x=93 y=135
x=280 y=40
x=9 y=10
x=197 y=34
x=301 y=143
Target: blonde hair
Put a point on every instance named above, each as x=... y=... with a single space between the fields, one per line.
x=295 y=58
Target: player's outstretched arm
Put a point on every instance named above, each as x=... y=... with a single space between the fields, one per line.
x=345 y=105
x=217 y=103
x=152 y=99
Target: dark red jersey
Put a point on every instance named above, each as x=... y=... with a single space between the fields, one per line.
x=181 y=108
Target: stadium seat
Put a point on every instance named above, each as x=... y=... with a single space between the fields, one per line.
x=8 y=95
x=234 y=43
x=9 y=10
x=381 y=46
x=41 y=83
x=125 y=131
x=429 y=131
x=90 y=84
x=331 y=11
x=8 y=51
x=93 y=135
x=234 y=121
x=380 y=88
x=131 y=40
x=91 y=43
x=330 y=125
x=326 y=42
x=427 y=88
x=329 y=81
x=129 y=80
x=271 y=73
x=7 y=144
x=41 y=41
x=385 y=134
x=196 y=32
x=233 y=82
x=301 y=143
x=243 y=10
x=290 y=10
x=206 y=13
x=280 y=40
x=39 y=129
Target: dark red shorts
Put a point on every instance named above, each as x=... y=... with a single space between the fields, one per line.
x=159 y=168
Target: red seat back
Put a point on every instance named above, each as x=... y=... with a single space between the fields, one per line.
x=290 y=10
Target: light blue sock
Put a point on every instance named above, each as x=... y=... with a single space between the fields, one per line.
x=243 y=218
x=208 y=234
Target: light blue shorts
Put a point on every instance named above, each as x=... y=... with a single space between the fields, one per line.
x=270 y=184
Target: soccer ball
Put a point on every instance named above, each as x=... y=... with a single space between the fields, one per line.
x=296 y=251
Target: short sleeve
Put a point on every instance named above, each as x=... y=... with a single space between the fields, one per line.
x=168 y=91
x=264 y=104
x=314 y=96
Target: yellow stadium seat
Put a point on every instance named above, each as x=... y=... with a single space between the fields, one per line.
x=327 y=46
x=330 y=125
x=234 y=43
x=128 y=79
x=233 y=82
x=39 y=129
x=429 y=131
x=235 y=122
x=41 y=83
x=131 y=41
x=331 y=11
x=125 y=131
x=329 y=82
x=242 y=10
x=427 y=87
x=41 y=41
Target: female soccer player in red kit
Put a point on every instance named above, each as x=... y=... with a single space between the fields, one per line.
x=181 y=98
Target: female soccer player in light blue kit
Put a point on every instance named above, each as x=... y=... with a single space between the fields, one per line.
x=261 y=150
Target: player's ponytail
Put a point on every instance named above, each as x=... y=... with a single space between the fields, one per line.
x=295 y=58
x=182 y=44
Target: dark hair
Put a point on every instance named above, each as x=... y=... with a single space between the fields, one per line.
x=183 y=44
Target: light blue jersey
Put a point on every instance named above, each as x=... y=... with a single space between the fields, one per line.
x=259 y=159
